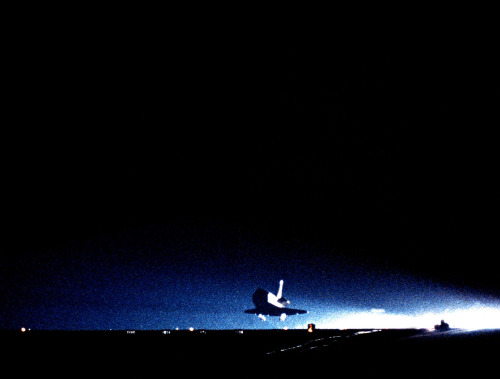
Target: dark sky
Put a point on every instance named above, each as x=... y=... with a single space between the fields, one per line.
x=163 y=171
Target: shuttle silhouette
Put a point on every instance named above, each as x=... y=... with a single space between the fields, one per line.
x=268 y=304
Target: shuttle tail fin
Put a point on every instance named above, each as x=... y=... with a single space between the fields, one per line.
x=279 y=295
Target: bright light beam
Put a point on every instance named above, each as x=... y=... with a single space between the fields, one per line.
x=472 y=318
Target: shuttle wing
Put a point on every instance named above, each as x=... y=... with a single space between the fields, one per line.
x=254 y=311
x=275 y=311
x=291 y=311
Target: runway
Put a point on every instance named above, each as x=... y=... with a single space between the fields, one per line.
x=367 y=350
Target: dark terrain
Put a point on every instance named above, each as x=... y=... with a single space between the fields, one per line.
x=250 y=351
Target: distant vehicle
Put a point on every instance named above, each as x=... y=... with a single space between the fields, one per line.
x=443 y=327
x=268 y=304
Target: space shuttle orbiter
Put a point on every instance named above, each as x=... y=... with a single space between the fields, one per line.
x=268 y=304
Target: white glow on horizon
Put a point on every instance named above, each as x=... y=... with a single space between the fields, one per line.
x=473 y=318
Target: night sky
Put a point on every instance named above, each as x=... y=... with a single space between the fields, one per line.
x=155 y=174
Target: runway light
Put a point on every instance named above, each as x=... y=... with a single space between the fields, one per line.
x=310 y=328
x=23 y=329
x=191 y=329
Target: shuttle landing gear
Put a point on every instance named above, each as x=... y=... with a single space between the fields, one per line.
x=283 y=317
x=262 y=317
